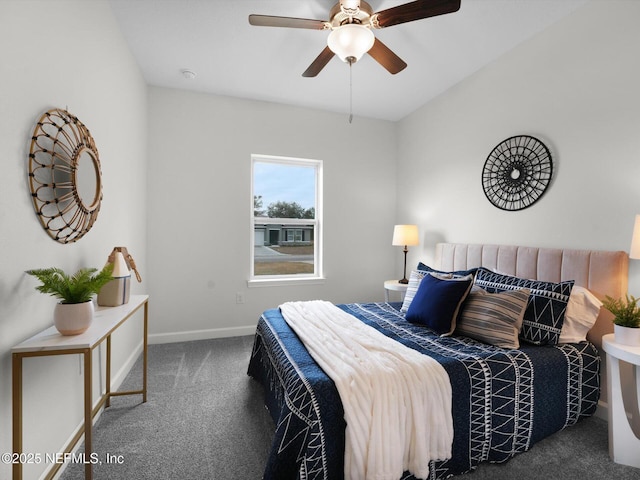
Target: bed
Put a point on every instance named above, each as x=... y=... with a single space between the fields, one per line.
x=503 y=399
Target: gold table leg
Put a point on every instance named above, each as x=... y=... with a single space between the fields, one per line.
x=17 y=412
x=88 y=413
x=108 y=373
x=144 y=353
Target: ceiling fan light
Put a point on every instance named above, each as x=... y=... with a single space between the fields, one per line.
x=350 y=41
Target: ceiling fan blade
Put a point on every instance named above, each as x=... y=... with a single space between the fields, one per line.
x=319 y=63
x=385 y=57
x=415 y=11
x=290 y=22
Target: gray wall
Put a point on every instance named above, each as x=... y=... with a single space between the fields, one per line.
x=64 y=54
x=574 y=86
x=200 y=208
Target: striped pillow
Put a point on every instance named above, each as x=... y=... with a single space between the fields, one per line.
x=493 y=318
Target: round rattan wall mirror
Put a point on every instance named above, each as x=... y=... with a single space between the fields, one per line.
x=517 y=172
x=64 y=176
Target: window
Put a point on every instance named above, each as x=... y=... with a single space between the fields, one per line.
x=294 y=235
x=286 y=240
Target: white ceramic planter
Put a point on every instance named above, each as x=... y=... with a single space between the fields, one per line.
x=626 y=335
x=73 y=318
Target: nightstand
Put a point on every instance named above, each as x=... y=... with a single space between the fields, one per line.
x=394 y=286
x=624 y=444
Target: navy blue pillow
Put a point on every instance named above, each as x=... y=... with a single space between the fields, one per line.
x=437 y=302
x=455 y=273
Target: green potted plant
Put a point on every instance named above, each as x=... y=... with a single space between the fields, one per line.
x=626 y=321
x=74 y=313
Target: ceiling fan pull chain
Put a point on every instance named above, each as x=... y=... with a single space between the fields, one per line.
x=350 y=91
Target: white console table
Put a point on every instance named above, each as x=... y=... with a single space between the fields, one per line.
x=51 y=342
x=624 y=444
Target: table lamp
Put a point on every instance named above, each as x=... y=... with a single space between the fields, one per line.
x=405 y=235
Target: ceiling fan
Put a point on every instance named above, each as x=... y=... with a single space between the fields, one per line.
x=351 y=23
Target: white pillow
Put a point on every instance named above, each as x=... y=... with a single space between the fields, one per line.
x=582 y=311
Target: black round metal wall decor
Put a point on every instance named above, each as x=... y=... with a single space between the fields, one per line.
x=517 y=172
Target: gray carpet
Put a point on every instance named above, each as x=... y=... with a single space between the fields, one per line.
x=205 y=419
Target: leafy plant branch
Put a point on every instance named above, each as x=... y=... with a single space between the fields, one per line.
x=77 y=288
x=626 y=311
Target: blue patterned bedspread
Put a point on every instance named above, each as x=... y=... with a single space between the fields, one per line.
x=503 y=400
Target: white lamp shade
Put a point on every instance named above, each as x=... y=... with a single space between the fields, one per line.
x=634 y=252
x=120 y=268
x=351 y=41
x=405 y=235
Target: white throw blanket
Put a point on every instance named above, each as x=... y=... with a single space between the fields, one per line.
x=397 y=402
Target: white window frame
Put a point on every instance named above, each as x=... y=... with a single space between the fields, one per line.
x=274 y=280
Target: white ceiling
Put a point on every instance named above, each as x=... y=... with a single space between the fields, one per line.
x=213 y=38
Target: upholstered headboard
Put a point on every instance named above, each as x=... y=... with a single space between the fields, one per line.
x=602 y=272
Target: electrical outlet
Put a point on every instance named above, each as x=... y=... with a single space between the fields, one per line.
x=239 y=297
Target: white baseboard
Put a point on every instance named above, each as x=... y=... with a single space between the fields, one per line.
x=173 y=337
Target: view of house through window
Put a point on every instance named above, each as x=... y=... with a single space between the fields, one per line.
x=286 y=217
